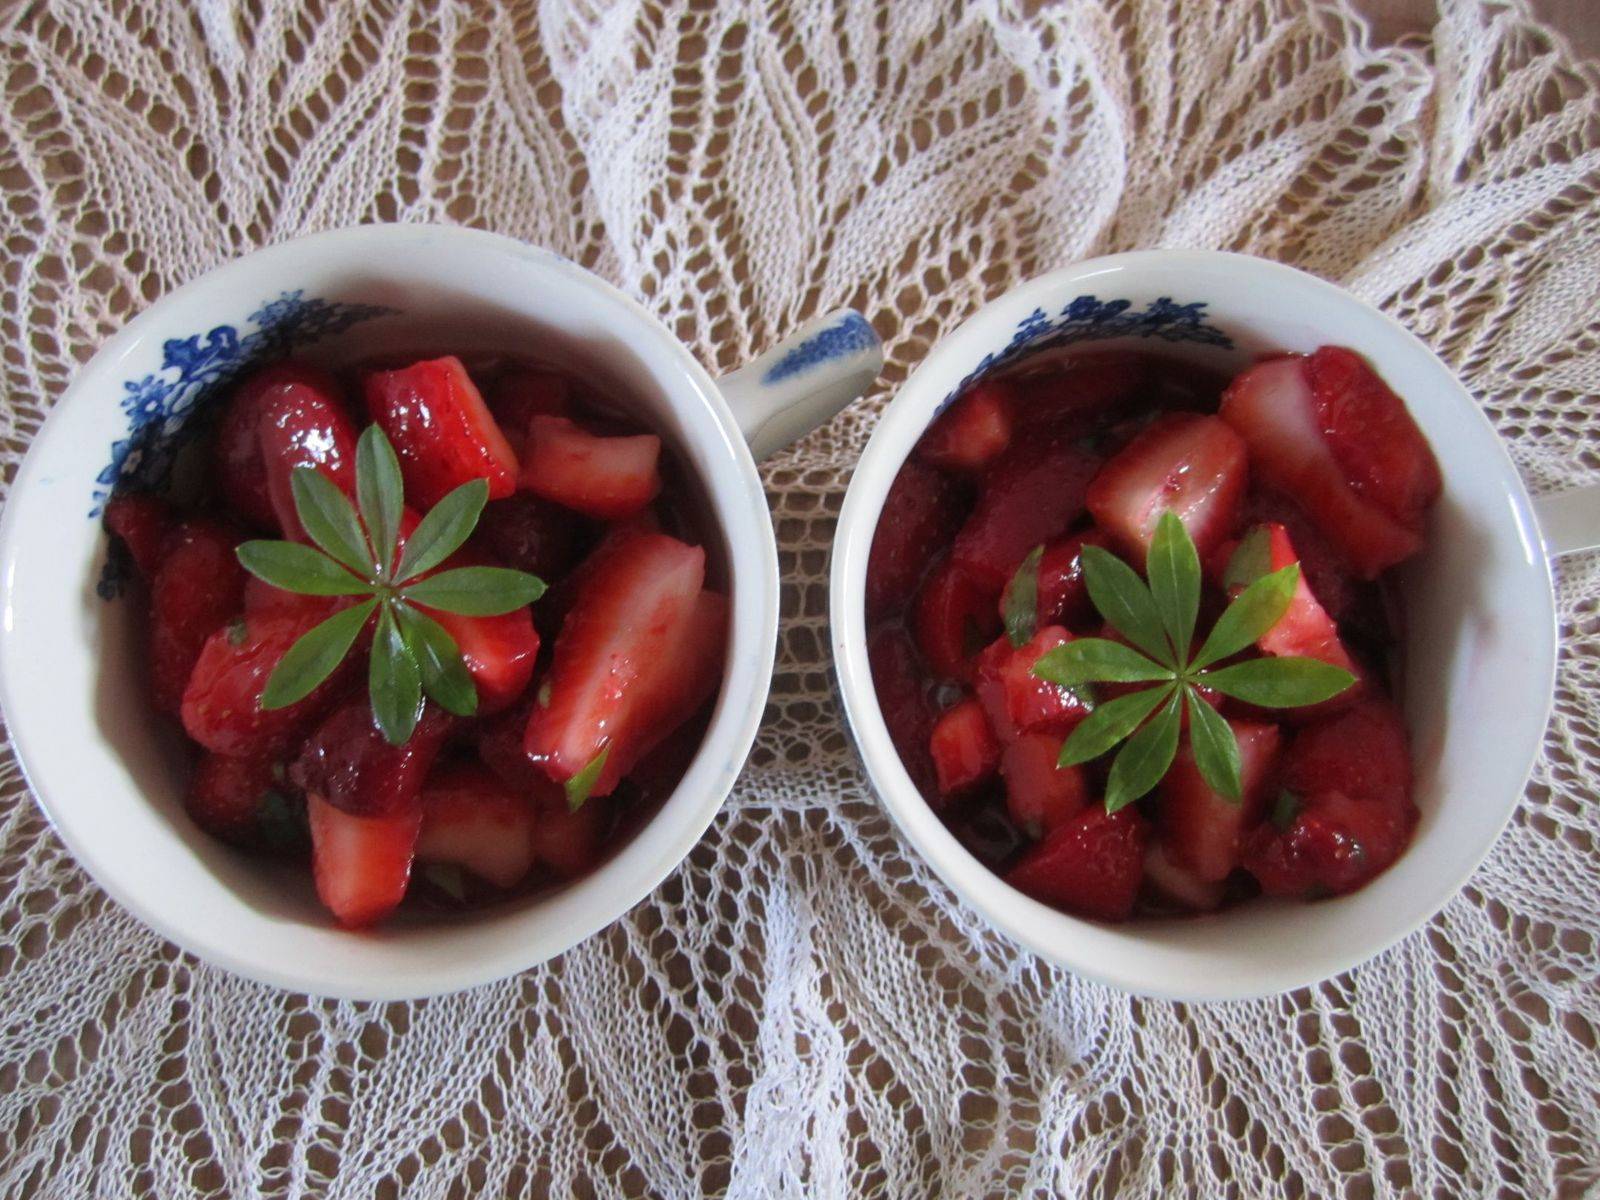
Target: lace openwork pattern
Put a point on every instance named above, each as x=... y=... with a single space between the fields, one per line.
x=802 y=1010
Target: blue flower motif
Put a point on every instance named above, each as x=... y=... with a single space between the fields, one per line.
x=849 y=335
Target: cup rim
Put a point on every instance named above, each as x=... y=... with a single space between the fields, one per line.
x=925 y=391
x=753 y=569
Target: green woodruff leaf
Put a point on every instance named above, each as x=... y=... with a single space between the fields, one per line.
x=1159 y=619
x=359 y=552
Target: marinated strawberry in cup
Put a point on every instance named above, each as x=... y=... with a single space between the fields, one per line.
x=447 y=629
x=1132 y=632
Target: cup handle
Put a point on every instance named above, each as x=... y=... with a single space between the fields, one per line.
x=1569 y=521
x=803 y=381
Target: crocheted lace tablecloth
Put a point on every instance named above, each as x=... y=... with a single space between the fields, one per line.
x=802 y=1010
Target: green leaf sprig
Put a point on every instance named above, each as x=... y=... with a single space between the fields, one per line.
x=1158 y=619
x=362 y=554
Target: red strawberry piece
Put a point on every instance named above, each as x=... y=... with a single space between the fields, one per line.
x=531 y=534
x=611 y=478
x=964 y=750
x=1274 y=409
x=499 y=652
x=1039 y=794
x=246 y=801
x=362 y=864
x=1186 y=464
x=1172 y=886
x=954 y=618
x=1328 y=573
x=1031 y=494
x=1346 y=806
x=1384 y=455
x=142 y=521
x=240 y=458
x=1305 y=630
x=1016 y=699
x=1201 y=829
x=349 y=764
x=499 y=740
x=470 y=818
x=1089 y=866
x=197 y=587
x=972 y=432
x=920 y=513
x=518 y=395
x=902 y=688
x=1081 y=394
x=261 y=599
x=569 y=843
x=1062 y=594
x=635 y=606
x=441 y=430
x=222 y=702
x=303 y=426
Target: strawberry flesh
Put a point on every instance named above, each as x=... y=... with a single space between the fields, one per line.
x=902 y=688
x=1040 y=796
x=197 y=587
x=1090 y=865
x=520 y=394
x=1017 y=700
x=248 y=802
x=1201 y=829
x=302 y=425
x=142 y=522
x=350 y=765
x=362 y=864
x=972 y=432
x=569 y=843
x=1031 y=494
x=963 y=747
x=1080 y=395
x=471 y=819
x=611 y=478
x=441 y=430
x=241 y=463
x=1062 y=596
x=529 y=534
x=954 y=618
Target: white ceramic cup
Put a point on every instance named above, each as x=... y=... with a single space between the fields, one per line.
x=1480 y=652
x=110 y=775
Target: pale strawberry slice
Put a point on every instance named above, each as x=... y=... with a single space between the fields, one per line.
x=1305 y=630
x=919 y=515
x=301 y=425
x=499 y=651
x=1273 y=408
x=954 y=618
x=569 y=843
x=471 y=819
x=612 y=478
x=197 y=586
x=972 y=432
x=1201 y=829
x=441 y=430
x=1193 y=466
x=241 y=464
x=1062 y=596
x=1039 y=794
x=902 y=689
x=362 y=864
x=1016 y=699
x=1031 y=494
x=1384 y=455
x=635 y=606
x=965 y=752
x=1172 y=886
x=1090 y=865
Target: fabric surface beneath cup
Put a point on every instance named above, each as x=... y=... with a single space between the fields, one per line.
x=802 y=1010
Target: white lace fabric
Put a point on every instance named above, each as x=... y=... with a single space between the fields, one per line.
x=802 y=1009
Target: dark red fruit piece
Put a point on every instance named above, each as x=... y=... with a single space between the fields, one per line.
x=1080 y=395
x=921 y=511
x=569 y=843
x=1305 y=630
x=954 y=619
x=349 y=764
x=1039 y=794
x=964 y=750
x=530 y=534
x=522 y=393
x=1017 y=700
x=972 y=432
x=362 y=864
x=1089 y=866
x=1201 y=829
x=197 y=587
x=143 y=522
x=902 y=690
x=499 y=740
x=302 y=426
x=611 y=478
x=1328 y=573
x=441 y=430
x=261 y=599
x=1063 y=597
x=248 y=802
x=471 y=819
x=1031 y=494
x=241 y=463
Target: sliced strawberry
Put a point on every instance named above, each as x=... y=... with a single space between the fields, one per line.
x=143 y=522
x=569 y=843
x=1089 y=866
x=964 y=750
x=1185 y=464
x=473 y=820
x=1305 y=630
x=1039 y=794
x=261 y=599
x=1345 y=812
x=1081 y=394
x=532 y=534
x=1031 y=494
x=301 y=425
x=612 y=478
x=248 y=802
x=441 y=429
x=1017 y=700
x=972 y=432
x=1062 y=594
x=920 y=513
x=520 y=394
x=1328 y=573
x=902 y=688
x=499 y=651
x=350 y=765
x=499 y=741
x=1200 y=828
x=1173 y=886
x=197 y=587
x=241 y=463
x=1384 y=455
x=1274 y=409
x=362 y=864
x=954 y=618
x=634 y=608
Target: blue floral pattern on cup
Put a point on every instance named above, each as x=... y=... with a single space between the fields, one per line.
x=850 y=335
x=1089 y=318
